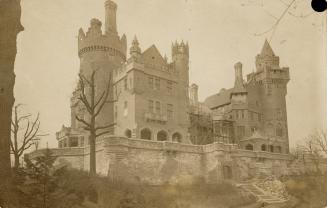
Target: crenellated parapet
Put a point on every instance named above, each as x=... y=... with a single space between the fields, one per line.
x=94 y=40
x=180 y=49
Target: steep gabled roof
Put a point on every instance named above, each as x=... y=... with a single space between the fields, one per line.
x=267 y=50
x=219 y=99
x=152 y=55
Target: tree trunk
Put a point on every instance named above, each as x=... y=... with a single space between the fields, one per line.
x=16 y=165
x=10 y=25
x=92 y=154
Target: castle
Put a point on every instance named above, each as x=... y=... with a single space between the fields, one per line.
x=161 y=131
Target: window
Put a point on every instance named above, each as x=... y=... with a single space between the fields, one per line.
x=158 y=107
x=125 y=108
x=116 y=112
x=151 y=106
x=243 y=112
x=249 y=147
x=251 y=115
x=241 y=131
x=151 y=82
x=162 y=136
x=131 y=83
x=73 y=142
x=253 y=129
x=169 y=87
x=259 y=117
x=125 y=84
x=146 y=134
x=82 y=141
x=157 y=83
x=170 y=111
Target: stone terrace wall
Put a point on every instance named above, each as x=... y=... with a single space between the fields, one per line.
x=156 y=162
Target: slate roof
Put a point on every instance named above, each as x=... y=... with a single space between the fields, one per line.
x=267 y=50
x=219 y=99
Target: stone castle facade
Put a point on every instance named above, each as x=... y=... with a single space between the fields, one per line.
x=161 y=130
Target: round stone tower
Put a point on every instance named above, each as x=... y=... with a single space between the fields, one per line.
x=102 y=52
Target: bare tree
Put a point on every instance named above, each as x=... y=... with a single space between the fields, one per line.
x=94 y=105
x=22 y=142
x=313 y=149
x=319 y=137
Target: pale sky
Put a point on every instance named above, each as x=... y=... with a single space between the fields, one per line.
x=220 y=33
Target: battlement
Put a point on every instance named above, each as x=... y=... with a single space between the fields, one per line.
x=94 y=40
x=180 y=48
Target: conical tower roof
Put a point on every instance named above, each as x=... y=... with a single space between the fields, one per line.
x=267 y=50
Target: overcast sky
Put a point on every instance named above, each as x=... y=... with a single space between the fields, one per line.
x=220 y=33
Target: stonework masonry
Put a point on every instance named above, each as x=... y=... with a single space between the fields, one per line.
x=154 y=162
x=162 y=133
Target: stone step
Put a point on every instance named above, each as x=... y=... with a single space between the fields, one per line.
x=261 y=195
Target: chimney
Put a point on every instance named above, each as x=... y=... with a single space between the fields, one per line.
x=194 y=93
x=238 y=84
x=110 y=19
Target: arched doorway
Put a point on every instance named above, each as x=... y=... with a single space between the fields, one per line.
x=227 y=172
x=146 y=134
x=249 y=147
x=263 y=147
x=128 y=133
x=162 y=136
x=177 y=137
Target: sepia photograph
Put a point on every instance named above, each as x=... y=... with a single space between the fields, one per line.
x=163 y=104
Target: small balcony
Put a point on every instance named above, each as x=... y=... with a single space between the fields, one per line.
x=153 y=117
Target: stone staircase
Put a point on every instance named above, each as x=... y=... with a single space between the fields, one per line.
x=261 y=195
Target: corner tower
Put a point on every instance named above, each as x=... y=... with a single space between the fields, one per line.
x=272 y=82
x=102 y=52
x=180 y=57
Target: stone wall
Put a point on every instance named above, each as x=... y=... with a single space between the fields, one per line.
x=155 y=162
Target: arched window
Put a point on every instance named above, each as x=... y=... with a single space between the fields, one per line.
x=278 y=149
x=279 y=130
x=249 y=147
x=271 y=148
x=146 y=134
x=162 y=136
x=263 y=147
x=128 y=133
x=177 y=137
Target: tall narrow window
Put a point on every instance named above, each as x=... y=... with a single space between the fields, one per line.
x=150 y=106
x=116 y=112
x=170 y=111
x=125 y=108
x=157 y=83
x=158 y=107
x=151 y=82
x=169 y=87
x=131 y=83
x=125 y=84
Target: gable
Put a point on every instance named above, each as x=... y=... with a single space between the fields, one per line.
x=153 y=56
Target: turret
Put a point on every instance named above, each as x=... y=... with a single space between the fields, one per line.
x=110 y=15
x=266 y=58
x=180 y=51
x=135 y=50
x=272 y=81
